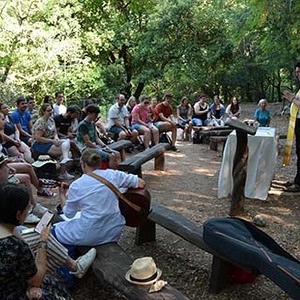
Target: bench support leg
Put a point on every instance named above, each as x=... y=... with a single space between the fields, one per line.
x=122 y=154
x=145 y=233
x=139 y=172
x=159 y=162
x=220 y=275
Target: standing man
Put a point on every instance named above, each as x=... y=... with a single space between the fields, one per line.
x=22 y=119
x=294 y=128
x=164 y=120
x=118 y=120
x=58 y=107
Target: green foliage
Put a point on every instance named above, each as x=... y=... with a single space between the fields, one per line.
x=92 y=48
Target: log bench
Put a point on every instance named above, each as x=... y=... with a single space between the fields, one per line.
x=221 y=268
x=121 y=146
x=215 y=141
x=203 y=134
x=110 y=267
x=134 y=164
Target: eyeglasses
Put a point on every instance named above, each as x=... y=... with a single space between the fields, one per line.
x=49 y=110
x=147 y=102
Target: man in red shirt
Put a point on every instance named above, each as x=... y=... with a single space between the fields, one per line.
x=164 y=120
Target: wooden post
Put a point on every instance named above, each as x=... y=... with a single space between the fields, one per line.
x=145 y=233
x=159 y=162
x=239 y=171
x=220 y=275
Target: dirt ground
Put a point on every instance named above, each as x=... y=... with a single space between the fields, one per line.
x=189 y=186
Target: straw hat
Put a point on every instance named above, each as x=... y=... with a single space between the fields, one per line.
x=143 y=271
x=43 y=160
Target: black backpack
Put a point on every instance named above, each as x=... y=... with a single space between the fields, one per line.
x=164 y=138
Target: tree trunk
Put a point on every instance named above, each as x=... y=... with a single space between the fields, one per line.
x=139 y=90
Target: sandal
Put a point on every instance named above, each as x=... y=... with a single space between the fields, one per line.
x=293 y=189
x=45 y=193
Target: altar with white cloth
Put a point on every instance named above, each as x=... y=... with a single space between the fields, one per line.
x=260 y=168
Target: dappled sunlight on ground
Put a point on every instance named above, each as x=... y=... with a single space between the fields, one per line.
x=194 y=195
x=205 y=171
x=175 y=154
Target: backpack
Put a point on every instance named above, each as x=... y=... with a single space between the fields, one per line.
x=164 y=138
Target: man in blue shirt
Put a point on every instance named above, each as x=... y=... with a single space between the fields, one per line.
x=22 y=119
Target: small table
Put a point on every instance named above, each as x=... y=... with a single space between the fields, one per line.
x=261 y=163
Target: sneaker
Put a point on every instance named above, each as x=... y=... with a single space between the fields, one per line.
x=65 y=160
x=31 y=219
x=47 y=183
x=43 y=192
x=84 y=262
x=39 y=210
x=173 y=148
x=66 y=176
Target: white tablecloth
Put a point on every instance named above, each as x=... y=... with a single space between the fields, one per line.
x=260 y=168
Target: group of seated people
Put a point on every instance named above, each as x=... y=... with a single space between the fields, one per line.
x=64 y=132
x=203 y=114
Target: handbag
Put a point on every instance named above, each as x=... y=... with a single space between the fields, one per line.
x=134 y=204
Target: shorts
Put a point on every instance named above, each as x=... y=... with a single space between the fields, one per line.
x=41 y=148
x=25 y=139
x=7 y=145
x=158 y=124
x=115 y=130
x=199 y=122
x=104 y=155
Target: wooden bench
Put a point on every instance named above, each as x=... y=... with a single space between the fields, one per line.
x=215 y=141
x=134 y=164
x=203 y=134
x=181 y=226
x=121 y=146
x=110 y=267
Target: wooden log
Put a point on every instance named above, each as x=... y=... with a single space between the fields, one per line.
x=209 y=128
x=215 y=132
x=175 y=223
x=134 y=163
x=241 y=126
x=121 y=146
x=239 y=173
x=111 y=265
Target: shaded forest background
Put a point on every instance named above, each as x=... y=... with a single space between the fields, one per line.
x=95 y=49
